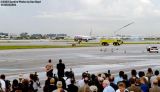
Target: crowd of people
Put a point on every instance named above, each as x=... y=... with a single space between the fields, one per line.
x=64 y=81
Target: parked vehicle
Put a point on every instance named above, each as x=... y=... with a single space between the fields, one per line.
x=152 y=49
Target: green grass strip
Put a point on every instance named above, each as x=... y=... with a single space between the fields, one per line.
x=42 y=46
x=141 y=42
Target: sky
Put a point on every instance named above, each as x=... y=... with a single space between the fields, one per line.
x=74 y=17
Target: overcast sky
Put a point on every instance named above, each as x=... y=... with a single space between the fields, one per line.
x=80 y=16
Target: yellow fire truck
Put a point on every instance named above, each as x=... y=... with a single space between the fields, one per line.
x=106 y=42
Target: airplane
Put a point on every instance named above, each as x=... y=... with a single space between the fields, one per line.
x=85 y=38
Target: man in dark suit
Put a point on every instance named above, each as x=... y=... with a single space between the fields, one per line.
x=60 y=68
x=72 y=87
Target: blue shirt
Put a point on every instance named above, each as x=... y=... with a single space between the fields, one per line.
x=108 y=89
x=144 y=88
x=117 y=79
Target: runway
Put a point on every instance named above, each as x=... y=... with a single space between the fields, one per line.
x=91 y=59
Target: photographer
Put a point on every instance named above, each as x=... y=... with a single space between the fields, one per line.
x=68 y=76
x=35 y=82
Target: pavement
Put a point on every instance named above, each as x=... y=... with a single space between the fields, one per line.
x=34 y=42
x=91 y=59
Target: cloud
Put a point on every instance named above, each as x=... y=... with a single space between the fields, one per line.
x=105 y=9
x=76 y=16
x=91 y=3
x=146 y=1
x=157 y=12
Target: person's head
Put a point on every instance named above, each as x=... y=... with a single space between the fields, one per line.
x=72 y=81
x=59 y=84
x=121 y=86
x=107 y=75
x=35 y=74
x=155 y=82
x=121 y=73
x=93 y=88
x=60 y=60
x=2 y=76
x=132 y=81
x=84 y=75
x=150 y=70
x=86 y=80
x=15 y=82
x=49 y=61
x=25 y=81
x=141 y=74
x=52 y=81
x=20 y=77
x=156 y=72
x=111 y=79
x=31 y=76
x=125 y=77
x=93 y=77
x=67 y=74
x=138 y=83
x=100 y=80
x=105 y=83
x=103 y=75
x=133 y=72
x=99 y=75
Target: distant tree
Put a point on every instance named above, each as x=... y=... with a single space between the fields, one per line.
x=44 y=37
x=24 y=35
x=36 y=36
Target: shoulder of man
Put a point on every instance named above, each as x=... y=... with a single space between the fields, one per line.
x=55 y=90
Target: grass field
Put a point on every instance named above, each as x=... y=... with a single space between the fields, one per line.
x=96 y=43
x=43 y=46
x=83 y=44
x=141 y=42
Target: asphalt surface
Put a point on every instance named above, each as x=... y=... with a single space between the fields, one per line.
x=91 y=59
x=34 y=42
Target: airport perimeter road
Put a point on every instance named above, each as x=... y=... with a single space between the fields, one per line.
x=92 y=59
